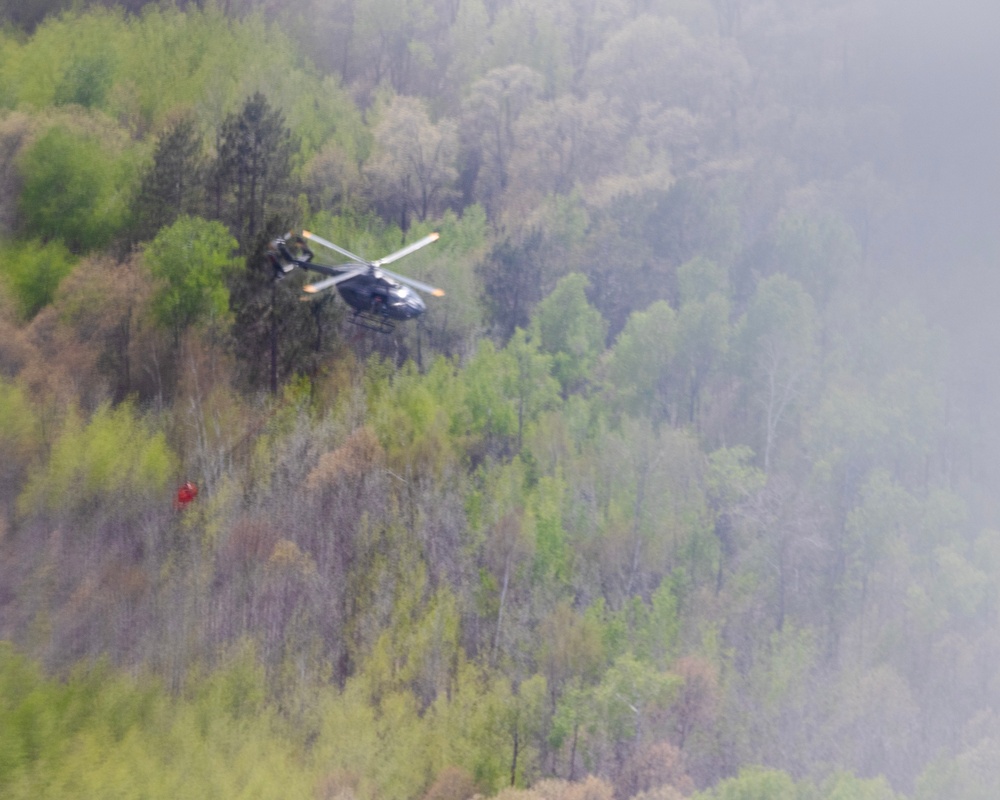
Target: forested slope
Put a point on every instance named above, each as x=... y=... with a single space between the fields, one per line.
x=682 y=489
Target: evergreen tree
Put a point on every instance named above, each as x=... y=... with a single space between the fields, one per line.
x=174 y=183
x=251 y=178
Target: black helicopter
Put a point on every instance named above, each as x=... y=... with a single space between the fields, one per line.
x=379 y=297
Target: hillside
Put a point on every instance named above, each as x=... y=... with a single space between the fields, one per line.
x=685 y=488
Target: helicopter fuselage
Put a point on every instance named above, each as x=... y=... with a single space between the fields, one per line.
x=381 y=296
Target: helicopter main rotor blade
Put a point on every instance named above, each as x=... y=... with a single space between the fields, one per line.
x=326 y=283
x=326 y=269
x=332 y=246
x=423 y=287
x=431 y=237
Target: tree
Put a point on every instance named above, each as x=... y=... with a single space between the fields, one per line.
x=511 y=285
x=756 y=783
x=392 y=39
x=641 y=361
x=27 y=14
x=844 y=786
x=72 y=190
x=489 y=114
x=628 y=704
x=972 y=774
x=504 y=391
x=648 y=513
x=656 y=60
x=105 y=303
x=778 y=351
x=174 y=184
x=86 y=80
x=657 y=766
x=191 y=260
x=531 y=383
x=564 y=144
x=32 y=271
x=413 y=171
x=20 y=435
x=588 y=23
x=251 y=178
x=570 y=651
x=703 y=328
x=275 y=334
x=876 y=720
x=733 y=489
x=570 y=330
x=114 y=462
x=820 y=251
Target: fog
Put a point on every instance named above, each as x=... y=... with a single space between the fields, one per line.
x=665 y=411
x=938 y=65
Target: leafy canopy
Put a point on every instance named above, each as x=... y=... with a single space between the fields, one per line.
x=117 y=454
x=190 y=261
x=73 y=189
x=32 y=271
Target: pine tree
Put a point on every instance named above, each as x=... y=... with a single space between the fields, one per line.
x=251 y=178
x=174 y=184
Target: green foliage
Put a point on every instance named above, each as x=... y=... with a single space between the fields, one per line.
x=755 y=783
x=100 y=734
x=32 y=270
x=845 y=786
x=75 y=189
x=629 y=696
x=191 y=262
x=477 y=727
x=731 y=478
x=657 y=626
x=781 y=320
x=971 y=775
x=641 y=359
x=701 y=278
x=413 y=414
x=424 y=627
x=412 y=169
x=116 y=459
x=453 y=322
x=71 y=58
x=819 y=253
x=553 y=558
x=86 y=81
x=19 y=425
x=703 y=328
x=570 y=330
x=505 y=390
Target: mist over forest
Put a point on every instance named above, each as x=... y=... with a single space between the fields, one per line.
x=686 y=487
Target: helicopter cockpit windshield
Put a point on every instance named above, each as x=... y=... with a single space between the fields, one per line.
x=400 y=293
x=404 y=299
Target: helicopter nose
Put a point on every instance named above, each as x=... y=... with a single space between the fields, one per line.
x=415 y=305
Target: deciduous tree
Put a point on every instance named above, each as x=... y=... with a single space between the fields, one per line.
x=72 y=190
x=192 y=261
x=571 y=331
x=412 y=173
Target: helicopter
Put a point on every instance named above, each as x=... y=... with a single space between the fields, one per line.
x=380 y=298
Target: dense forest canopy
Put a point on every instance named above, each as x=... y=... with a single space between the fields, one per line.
x=686 y=488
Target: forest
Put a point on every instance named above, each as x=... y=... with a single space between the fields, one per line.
x=684 y=489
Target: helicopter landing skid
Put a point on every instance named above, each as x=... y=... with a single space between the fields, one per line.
x=372 y=322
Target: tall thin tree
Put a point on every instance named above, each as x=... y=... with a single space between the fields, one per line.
x=251 y=178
